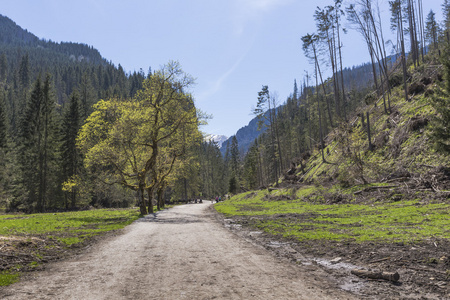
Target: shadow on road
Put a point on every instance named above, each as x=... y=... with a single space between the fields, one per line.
x=172 y=217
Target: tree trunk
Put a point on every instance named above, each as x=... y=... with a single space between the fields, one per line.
x=368 y=132
x=150 y=192
x=394 y=277
x=160 y=195
x=344 y=109
x=402 y=41
x=73 y=197
x=279 y=146
x=320 y=117
x=272 y=135
x=142 y=206
x=323 y=85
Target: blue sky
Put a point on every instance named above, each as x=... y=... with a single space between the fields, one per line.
x=231 y=47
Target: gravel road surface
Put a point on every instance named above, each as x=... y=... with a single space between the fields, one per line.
x=180 y=253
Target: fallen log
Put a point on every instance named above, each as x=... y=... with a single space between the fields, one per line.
x=394 y=277
x=397 y=179
x=375 y=188
x=379 y=260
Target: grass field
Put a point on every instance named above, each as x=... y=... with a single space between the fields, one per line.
x=26 y=240
x=68 y=227
x=405 y=221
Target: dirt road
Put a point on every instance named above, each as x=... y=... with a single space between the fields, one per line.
x=180 y=253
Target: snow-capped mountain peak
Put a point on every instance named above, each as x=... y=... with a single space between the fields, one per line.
x=219 y=139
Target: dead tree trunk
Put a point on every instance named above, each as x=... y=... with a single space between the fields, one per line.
x=394 y=277
x=368 y=132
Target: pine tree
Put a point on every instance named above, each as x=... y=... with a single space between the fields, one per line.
x=441 y=102
x=5 y=155
x=87 y=95
x=37 y=150
x=266 y=111
x=234 y=166
x=397 y=25
x=3 y=67
x=250 y=170
x=235 y=157
x=24 y=71
x=70 y=158
x=446 y=13
x=295 y=94
x=432 y=30
x=29 y=147
x=3 y=128
x=214 y=176
x=233 y=186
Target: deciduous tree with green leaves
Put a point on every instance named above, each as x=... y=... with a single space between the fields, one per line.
x=137 y=143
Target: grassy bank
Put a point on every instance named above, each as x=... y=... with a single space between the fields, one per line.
x=306 y=215
x=28 y=241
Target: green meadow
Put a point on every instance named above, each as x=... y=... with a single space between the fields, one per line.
x=400 y=221
x=67 y=227
x=58 y=230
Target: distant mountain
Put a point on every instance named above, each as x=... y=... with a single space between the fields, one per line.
x=73 y=67
x=217 y=138
x=245 y=137
x=12 y=36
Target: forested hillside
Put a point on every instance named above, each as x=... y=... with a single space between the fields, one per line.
x=318 y=110
x=47 y=92
x=357 y=81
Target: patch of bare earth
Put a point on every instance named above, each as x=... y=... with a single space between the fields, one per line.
x=424 y=267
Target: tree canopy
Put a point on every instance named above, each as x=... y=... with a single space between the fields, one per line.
x=137 y=143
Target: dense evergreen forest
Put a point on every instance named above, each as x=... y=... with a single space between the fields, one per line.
x=48 y=90
x=78 y=131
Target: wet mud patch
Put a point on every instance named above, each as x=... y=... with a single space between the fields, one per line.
x=424 y=267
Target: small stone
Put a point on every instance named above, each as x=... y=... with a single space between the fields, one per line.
x=336 y=260
x=441 y=284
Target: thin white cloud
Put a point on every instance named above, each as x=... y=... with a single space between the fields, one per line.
x=247 y=14
x=217 y=85
x=252 y=11
x=265 y=5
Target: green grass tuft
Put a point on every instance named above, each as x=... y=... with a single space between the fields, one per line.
x=8 y=277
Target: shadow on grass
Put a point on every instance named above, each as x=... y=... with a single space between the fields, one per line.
x=96 y=220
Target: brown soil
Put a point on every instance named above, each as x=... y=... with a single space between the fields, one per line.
x=424 y=268
x=180 y=253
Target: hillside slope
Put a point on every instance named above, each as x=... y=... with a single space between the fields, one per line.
x=245 y=137
x=12 y=36
x=382 y=207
